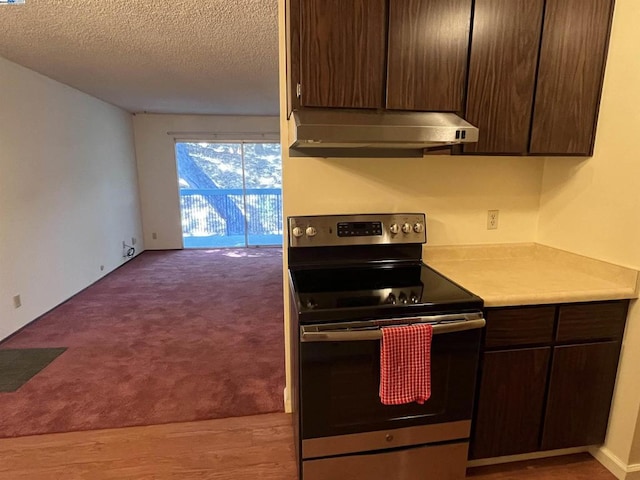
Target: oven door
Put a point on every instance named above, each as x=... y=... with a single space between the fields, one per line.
x=340 y=379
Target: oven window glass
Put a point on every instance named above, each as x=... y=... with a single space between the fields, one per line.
x=340 y=382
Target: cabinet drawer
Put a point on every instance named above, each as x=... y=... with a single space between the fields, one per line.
x=592 y=321
x=437 y=462
x=519 y=326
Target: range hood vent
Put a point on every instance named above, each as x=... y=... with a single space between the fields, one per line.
x=325 y=129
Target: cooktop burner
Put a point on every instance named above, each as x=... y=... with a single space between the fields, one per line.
x=375 y=290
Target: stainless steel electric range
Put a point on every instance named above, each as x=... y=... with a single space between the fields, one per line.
x=349 y=276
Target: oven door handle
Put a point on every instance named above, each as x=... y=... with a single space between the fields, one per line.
x=376 y=334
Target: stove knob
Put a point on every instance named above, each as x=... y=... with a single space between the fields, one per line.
x=406 y=228
x=394 y=228
x=414 y=298
x=311 y=231
x=297 y=232
x=402 y=298
x=391 y=299
x=418 y=227
x=311 y=304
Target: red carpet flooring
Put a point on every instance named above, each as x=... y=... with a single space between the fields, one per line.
x=169 y=337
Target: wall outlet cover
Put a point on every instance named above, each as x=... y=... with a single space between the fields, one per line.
x=492 y=219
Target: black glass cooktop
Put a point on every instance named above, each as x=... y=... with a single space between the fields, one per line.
x=375 y=291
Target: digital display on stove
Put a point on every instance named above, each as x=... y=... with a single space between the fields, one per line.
x=359 y=229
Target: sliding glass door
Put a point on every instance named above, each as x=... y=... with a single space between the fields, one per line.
x=230 y=193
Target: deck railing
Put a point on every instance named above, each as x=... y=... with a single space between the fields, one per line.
x=220 y=213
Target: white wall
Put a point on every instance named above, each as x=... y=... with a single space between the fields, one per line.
x=592 y=207
x=68 y=193
x=454 y=191
x=155 y=137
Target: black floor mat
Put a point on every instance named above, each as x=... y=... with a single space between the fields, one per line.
x=18 y=366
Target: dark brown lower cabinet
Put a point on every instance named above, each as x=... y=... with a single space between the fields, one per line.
x=510 y=402
x=547 y=376
x=580 y=389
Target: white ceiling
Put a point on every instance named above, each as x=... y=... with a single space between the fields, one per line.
x=161 y=56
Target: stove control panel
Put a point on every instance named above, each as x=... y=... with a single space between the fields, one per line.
x=365 y=229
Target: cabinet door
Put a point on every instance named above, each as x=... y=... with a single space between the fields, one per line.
x=502 y=73
x=343 y=53
x=510 y=403
x=292 y=32
x=428 y=45
x=572 y=58
x=580 y=390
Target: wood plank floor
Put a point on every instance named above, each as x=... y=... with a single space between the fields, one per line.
x=580 y=466
x=245 y=448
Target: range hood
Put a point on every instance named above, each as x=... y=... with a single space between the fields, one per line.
x=344 y=129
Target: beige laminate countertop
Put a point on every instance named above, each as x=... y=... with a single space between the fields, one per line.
x=531 y=274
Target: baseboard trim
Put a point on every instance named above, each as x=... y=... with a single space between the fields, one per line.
x=610 y=461
x=525 y=456
x=616 y=466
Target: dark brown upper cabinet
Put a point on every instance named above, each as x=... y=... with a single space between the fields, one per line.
x=343 y=48
x=535 y=81
x=572 y=59
x=502 y=73
x=395 y=54
x=427 y=52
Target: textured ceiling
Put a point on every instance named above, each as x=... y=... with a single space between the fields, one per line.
x=163 y=56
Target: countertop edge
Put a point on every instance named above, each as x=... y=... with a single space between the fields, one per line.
x=548 y=299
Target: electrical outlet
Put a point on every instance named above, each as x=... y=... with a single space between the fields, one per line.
x=17 y=301
x=492 y=219
x=133 y=240
x=154 y=235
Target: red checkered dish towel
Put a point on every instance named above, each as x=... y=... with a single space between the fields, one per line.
x=405 y=364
